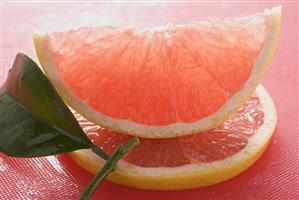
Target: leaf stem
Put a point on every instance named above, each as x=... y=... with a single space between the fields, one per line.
x=100 y=152
x=108 y=167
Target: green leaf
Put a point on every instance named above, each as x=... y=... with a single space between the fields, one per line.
x=34 y=119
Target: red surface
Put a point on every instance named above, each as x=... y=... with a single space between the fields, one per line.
x=274 y=176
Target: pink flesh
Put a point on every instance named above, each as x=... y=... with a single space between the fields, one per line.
x=216 y=144
x=157 y=78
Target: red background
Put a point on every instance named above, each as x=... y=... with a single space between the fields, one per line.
x=274 y=176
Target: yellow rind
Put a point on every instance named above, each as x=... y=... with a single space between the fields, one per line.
x=176 y=182
x=184 y=178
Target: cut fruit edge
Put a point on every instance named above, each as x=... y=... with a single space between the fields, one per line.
x=190 y=175
x=260 y=67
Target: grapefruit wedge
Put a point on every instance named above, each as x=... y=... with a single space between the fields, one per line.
x=188 y=161
x=160 y=82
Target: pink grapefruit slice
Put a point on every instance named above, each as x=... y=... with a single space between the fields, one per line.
x=188 y=161
x=161 y=82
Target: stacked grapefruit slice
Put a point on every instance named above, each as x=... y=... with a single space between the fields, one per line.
x=190 y=92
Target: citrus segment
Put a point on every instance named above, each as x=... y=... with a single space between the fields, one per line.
x=188 y=161
x=161 y=83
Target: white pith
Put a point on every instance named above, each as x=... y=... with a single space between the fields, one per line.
x=176 y=129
